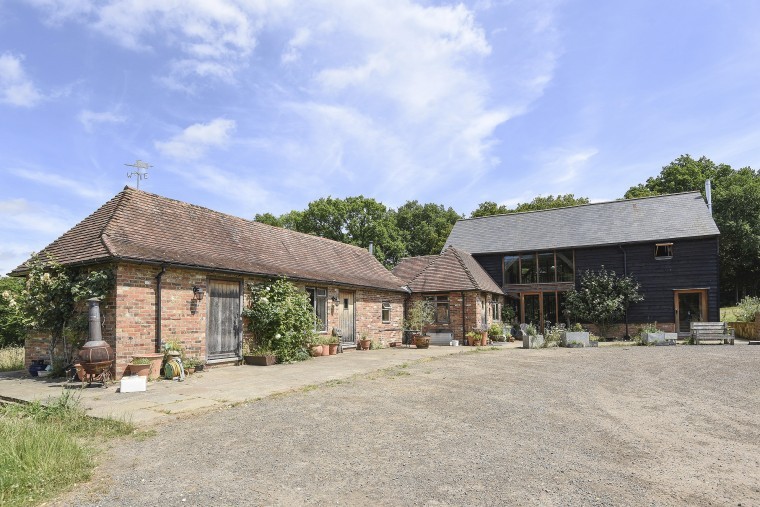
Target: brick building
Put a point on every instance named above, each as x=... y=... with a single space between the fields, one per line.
x=181 y=272
x=463 y=294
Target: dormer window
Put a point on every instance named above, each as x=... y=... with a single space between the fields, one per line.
x=663 y=251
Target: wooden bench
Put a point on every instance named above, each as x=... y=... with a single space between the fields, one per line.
x=702 y=331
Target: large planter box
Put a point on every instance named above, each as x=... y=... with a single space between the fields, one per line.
x=268 y=360
x=156 y=360
x=533 y=342
x=660 y=338
x=574 y=337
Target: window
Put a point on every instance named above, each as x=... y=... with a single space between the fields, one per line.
x=511 y=269
x=546 y=267
x=495 y=311
x=386 y=311
x=663 y=251
x=318 y=300
x=441 y=308
x=528 y=268
x=565 y=269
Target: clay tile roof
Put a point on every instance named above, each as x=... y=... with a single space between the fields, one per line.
x=451 y=270
x=140 y=226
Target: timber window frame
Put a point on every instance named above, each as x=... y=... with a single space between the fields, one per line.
x=663 y=251
x=441 y=309
x=318 y=300
x=385 y=312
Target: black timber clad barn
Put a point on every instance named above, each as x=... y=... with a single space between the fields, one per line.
x=668 y=243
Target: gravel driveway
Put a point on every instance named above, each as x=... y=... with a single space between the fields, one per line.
x=608 y=426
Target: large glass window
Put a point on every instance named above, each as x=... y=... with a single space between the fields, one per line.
x=528 y=268
x=546 y=267
x=511 y=269
x=441 y=308
x=565 y=272
x=318 y=299
x=550 y=308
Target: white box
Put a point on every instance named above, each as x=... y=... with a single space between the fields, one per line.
x=133 y=384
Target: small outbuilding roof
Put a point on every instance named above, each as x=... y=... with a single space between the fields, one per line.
x=659 y=218
x=452 y=270
x=140 y=226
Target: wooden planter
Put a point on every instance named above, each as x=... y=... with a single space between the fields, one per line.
x=267 y=360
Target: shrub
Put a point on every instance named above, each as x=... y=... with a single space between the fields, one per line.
x=553 y=335
x=602 y=299
x=748 y=309
x=495 y=329
x=420 y=315
x=281 y=319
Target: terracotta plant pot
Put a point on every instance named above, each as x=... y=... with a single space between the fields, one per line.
x=422 y=342
x=333 y=349
x=142 y=370
x=484 y=341
x=80 y=371
x=156 y=360
x=365 y=344
x=315 y=350
x=325 y=349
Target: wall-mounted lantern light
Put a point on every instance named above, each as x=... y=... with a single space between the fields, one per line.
x=334 y=299
x=197 y=293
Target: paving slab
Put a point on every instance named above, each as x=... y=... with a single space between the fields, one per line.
x=165 y=400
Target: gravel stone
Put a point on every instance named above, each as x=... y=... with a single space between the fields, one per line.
x=600 y=426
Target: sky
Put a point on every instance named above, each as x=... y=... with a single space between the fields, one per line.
x=253 y=106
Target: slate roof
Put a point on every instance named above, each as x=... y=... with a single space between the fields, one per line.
x=665 y=217
x=451 y=270
x=140 y=226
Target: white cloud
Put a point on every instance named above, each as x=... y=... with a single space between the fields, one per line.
x=293 y=51
x=214 y=36
x=22 y=215
x=563 y=165
x=79 y=188
x=89 y=118
x=195 y=140
x=16 y=88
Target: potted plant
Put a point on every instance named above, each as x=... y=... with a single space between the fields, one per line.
x=483 y=334
x=333 y=345
x=191 y=365
x=531 y=339
x=364 y=341
x=140 y=366
x=575 y=334
x=650 y=335
x=421 y=314
x=260 y=356
x=473 y=338
x=496 y=334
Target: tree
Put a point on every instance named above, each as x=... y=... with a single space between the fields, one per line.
x=280 y=319
x=489 y=208
x=48 y=301
x=11 y=319
x=424 y=228
x=602 y=299
x=736 y=210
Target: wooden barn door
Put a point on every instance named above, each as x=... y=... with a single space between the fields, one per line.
x=224 y=322
x=691 y=306
x=346 y=320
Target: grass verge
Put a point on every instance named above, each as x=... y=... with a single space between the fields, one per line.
x=46 y=449
x=12 y=359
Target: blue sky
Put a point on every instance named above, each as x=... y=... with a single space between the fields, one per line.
x=255 y=106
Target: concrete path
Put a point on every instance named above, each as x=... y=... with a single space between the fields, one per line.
x=218 y=387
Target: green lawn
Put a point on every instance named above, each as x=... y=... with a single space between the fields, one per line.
x=728 y=313
x=45 y=449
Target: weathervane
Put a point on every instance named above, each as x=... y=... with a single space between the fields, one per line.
x=140 y=174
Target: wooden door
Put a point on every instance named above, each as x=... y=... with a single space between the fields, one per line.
x=690 y=306
x=346 y=319
x=224 y=322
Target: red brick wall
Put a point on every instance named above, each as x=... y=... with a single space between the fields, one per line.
x=618 y=330
x=473 y=311
x=369 y=315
